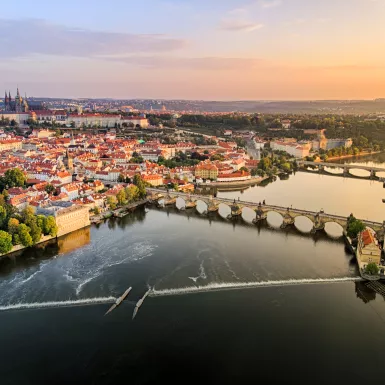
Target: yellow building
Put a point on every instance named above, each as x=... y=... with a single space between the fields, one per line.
x=206 y=171
x=10 y=145
x=72 y=218
x=153 y=180
x=368 y=248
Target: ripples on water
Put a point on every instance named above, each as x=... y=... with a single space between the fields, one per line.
x=68 y=275
x=170 y=249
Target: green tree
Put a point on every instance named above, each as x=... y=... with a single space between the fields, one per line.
x=13 y=225
x=41 y=222
x=371 y=268
x=27 y=214
x=132 y=193
x=13 y=177
x=286 y=167
x=112 y=202
x=138 y=182
x=354 y=227
x=5 y=242
x=35 y=231
x=219 y=157
x=49 y=189
x=264 y=164
x=245 y=169
x=24 y=235
x=96 y=210
x=121 y=197
x=3 y=216
x=50 y=226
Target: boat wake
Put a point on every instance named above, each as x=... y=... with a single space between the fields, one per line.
x=42 y=305
x=245 y=285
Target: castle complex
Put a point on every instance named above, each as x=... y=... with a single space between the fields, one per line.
x=19 y=105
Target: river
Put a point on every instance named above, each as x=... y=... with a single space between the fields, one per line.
x=210 y=320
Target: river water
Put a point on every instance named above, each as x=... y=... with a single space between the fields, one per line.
x=210 y=320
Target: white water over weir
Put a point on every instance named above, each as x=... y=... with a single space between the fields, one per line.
x=249 y=285
x=42 y=305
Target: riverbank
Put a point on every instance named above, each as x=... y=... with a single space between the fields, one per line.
x=120 y=211
x=16 y=248
x=363 y=153
x=241 y=183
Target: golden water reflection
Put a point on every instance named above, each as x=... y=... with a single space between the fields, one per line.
x=74 y=240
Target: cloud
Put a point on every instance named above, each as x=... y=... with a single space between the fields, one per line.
x=239 y=25
x=20 y=38
x=192 y=63
x=238 y=11
x=270 y=3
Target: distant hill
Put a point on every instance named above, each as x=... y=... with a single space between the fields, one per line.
x=376 y=106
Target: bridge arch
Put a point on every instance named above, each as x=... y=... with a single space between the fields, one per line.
x=248 y=214
x=274 y=218
x=180 y=203
x=303 y=223
x=359 y=172
x=201 y=206
x=333 y=229
x=224 y=210
x=334 y=170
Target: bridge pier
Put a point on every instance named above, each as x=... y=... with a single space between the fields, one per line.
x=346 y=171
x=260 y=215
x=288 y=220
x=372 y=173
x=316 y=228
x=318 y=224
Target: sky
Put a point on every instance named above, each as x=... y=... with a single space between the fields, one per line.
x=194 y=49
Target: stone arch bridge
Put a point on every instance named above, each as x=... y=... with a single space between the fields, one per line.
x=319 y=219
x=346 y=167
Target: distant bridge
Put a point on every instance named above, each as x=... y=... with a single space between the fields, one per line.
x=346 y=167
x=319 y=219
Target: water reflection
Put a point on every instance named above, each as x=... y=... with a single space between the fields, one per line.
x=272 y=224
x=73 y=241
x=364 y=293
x=313 y=191
x=33 y=256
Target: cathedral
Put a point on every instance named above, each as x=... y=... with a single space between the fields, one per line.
x=20 y=105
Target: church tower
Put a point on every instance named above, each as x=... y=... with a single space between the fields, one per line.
x=6 y=102
x=9 y=101
x=25 y=104
x=69 y=162
x=18 y=102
